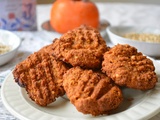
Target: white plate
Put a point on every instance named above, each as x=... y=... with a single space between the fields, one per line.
x=143 y=106
x=51 y=33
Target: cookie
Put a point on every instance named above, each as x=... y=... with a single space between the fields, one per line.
x=130 y=68
x=41 y=75
x=91 y=92
x=82 y=46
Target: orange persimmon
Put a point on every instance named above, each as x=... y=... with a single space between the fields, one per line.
x=69 y=14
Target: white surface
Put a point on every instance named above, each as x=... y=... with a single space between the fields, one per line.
x=115 y=34
x=145 y=104
x=9 y=38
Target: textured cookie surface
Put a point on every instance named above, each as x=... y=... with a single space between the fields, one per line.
x=82 y=46
x=91 y=92
x=41 y=75
x=129 y=68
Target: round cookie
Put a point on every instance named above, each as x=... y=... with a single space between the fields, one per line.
x=129 y=68
x=91 y=92
x=82 y=46
x=41 y=75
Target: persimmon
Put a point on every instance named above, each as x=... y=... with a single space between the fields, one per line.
x=69 y=14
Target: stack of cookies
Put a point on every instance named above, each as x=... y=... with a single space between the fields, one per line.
x=91 y=74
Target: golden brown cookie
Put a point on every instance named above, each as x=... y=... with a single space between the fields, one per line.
x=82 y=46
x=41 y=75
x=91 y=92
x=129 y=68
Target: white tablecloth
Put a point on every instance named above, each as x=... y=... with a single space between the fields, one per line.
x=114 y=13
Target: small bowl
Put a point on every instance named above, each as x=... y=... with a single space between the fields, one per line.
x=151 y=49
x=9 y=39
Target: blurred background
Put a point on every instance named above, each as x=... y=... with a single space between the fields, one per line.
x=138 y=1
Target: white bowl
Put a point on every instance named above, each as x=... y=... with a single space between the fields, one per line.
x=9 y=38
x=148 y=48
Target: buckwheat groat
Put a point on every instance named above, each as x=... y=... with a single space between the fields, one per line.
x=82 y=46
x=129 y=68
x=91 y=92
x=41 y=75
